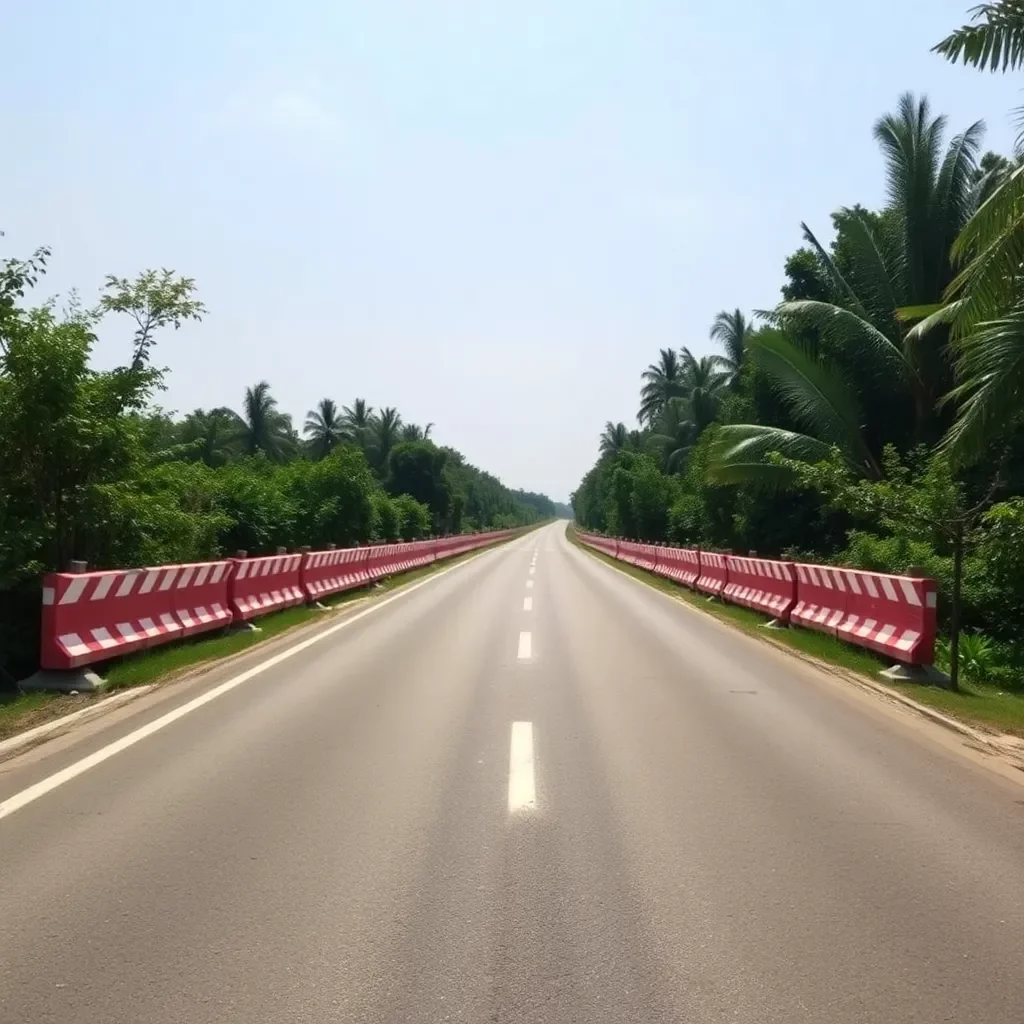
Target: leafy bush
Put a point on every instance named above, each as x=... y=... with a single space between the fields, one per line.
x=414 y=517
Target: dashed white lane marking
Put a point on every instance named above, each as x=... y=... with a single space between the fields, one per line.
x=527 y=604
x=525 y=645
x=533 y=569
x=529 y=583
x=522 y=793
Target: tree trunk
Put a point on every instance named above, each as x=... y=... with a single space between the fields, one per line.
x=954 y=612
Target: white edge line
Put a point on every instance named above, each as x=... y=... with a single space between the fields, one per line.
x=52 y=782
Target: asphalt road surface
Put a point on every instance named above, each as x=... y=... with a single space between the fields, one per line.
x=528 y=790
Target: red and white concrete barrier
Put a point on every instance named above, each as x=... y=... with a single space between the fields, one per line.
x=259 y=586
x=714 y=573
x=679 y=564
x=92 y=616
x=334 y=571
x=763 y=584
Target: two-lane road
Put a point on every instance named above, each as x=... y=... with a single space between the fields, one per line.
x=530 y=789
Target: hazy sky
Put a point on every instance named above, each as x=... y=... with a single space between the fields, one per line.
x=489 y=214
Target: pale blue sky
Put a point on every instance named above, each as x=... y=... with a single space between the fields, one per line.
x=489 y=214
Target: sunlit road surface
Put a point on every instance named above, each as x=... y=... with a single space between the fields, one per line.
x=529 y=790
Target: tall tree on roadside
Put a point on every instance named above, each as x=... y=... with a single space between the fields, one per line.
x=614 y=438
x=153 y=300
x=265 y=429
x=732 y=331
x=324 y=428
x=414 y=432
x=662 y=381
x=384 y=433
x=985 y=304
x=211 y=436
x=829 y=359
x=356 y=419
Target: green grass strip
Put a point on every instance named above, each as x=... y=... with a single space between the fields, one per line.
x=23 y=710
x=982 y=706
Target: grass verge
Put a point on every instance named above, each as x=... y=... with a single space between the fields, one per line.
x=20 y=711
x=981 y=706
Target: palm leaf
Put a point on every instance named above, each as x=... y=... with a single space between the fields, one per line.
x=993 y=240
x=844 y=290
x=991 y=395
x=851 y=332
x=873 y=274
x=996 y=45
x=816 y=394
x=954 y=191
x=739 y=454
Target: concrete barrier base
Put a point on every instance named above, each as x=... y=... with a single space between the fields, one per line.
x=76 y=680
x=926 y=675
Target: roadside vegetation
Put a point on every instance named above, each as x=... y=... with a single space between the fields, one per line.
x=875 y=417
x=977 y=703
x=92 y=467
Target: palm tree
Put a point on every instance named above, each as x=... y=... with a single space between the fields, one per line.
x=212 y=437
x=414 y=432
x=356 y=419
x=324 y=427
x=614 y=438
x=984 y=301
x=264 y=428
x=384 y=432
x=661 y=382
x=732 y=331
x=674 y=435
x=709 y=374
x=828 y=357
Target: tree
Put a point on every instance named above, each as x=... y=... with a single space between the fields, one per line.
x=417 y=469
x=16 y=276
x=211 y=437
x=674 y=434
x=703 y=381
x=356 y=419
x=984 y=303
x=414 y=432
x=384 y=432
x=920 y=498
x=63 y=431
x=614 y=438
x=662 y=381
x=153 y=300
x=732 y=331
x=265 y=429
x=829 y=358
x=324 y=428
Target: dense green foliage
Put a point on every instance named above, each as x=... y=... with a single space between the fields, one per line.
x=91 y=469
x=874 y=417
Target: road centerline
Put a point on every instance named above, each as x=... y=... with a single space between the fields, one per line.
x=522 y=792
x=525 y=645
